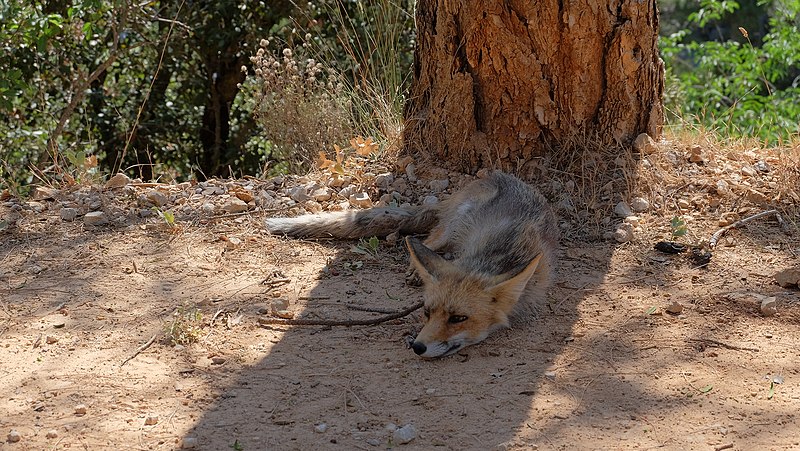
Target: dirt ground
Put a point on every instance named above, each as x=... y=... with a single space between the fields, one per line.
x=603 y=366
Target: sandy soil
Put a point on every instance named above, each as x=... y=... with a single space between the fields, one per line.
x=603 y=366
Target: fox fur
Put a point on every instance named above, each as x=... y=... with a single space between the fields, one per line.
x=502 y=234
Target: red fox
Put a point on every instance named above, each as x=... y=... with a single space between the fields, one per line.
x=502 y=234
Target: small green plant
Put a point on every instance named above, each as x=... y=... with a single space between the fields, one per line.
x=167 y=215
x=185 y=326
x=237 y=446
x=678 y=227
x=367 y=247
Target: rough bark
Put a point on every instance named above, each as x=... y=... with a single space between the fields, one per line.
x=499 y=83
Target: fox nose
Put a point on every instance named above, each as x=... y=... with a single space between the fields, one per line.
x=419 y=347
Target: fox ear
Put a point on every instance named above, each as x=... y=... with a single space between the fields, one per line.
x=428 y=264
x=510 y=290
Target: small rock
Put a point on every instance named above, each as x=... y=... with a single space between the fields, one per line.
x=52 y=433
x=299 y=194
x=68 y=214
x=762 y=166
x=14 y=436
x=403 y=162
x=189 y=443
x=360 y=200
x=411 y=172
x=95 y=218
x=44 y=193
x=37 y=207
x=51 y=339
x=216 y=360
x=321 y=428
x=373 y=441
x=683 y=204
x=405 y=434
x=244 y=195
x=644 y=144
x=674 y=308
x=430 y=200
x=232 y=242
x=285 y=314
x=313 y=206
x=696 y=155
x=117 y=181
x=550 y=375
x=437 y=186
x=400 y=185
x=789 y=277
x=348 y=191
x=639 y=204
x=156 y=198
x=322 y=194
x=80 y=409
x=624 y=233
x=748 y=171
x=150 y=420
x=769 y=306
x=208 y=208
x=384 y=181
x=234 y=205
x=622 y=210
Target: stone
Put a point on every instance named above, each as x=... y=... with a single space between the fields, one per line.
x=361 y=200
x=644 y=144
x=234 y=205
x=117 y=181
x=156 y=198
x=437 y=186
x=322 y=194
x=696 y=155
x=411 y=172
x=622 y=210
x=639 y=204
x=14 y=436
x=321 y=428
x=624 y=233
x=37 y=207
x=189 y=443
x=95 y=218
x=789 y=277
x=299 y=194
x=68 y=214
x=151 y=420
x=384 y=181
x=80 y=409
x=430 y=200
x=52 y=433
x=405 y=434
x=769 y=306
x=674 y=308
x=44 y=193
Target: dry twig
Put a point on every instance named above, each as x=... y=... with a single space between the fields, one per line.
x=718 y=234
x=139 y=350
x=346 y=322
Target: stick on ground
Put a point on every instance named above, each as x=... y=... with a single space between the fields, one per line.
x=718 y=234
x=139 y=350
x=346 y=322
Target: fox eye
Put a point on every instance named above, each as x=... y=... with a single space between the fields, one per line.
x=427 y=312
x=457 y=319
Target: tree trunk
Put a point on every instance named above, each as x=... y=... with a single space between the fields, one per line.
x=498 y=83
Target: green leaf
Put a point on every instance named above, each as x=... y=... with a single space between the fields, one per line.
x=707 y=389
x=651 y=310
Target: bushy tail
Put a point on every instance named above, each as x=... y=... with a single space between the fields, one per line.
x=357 y=224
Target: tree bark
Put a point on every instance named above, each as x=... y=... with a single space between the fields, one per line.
x=499 y=83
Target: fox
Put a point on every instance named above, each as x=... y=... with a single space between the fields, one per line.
x=502 y=236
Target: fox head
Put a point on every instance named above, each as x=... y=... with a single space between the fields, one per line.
x=460 y=308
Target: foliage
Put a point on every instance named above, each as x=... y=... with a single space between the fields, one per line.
x=732 y=85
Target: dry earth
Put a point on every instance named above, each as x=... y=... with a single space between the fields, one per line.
x=603 y=366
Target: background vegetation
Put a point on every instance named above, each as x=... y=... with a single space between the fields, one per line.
x=197 y=89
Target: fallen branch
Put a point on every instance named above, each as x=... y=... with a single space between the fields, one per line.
x=718 y=234
x=346 y=322
x=724 y=345
x=139 y=350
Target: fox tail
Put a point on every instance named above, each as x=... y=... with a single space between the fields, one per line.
x=380 y=222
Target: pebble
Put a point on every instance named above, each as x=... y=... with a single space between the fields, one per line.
x=52 y=433
x=683 y=204
x=51 y=339
x=156 y=198
x=208 y=208
x=14 y=436
x=437 y=186
x=321 y=428
x=95 y=218
x=405 y=434
x=117 y=181
x=299 y=194
x=234 y=205
x=411 y=172
x=430 y=200
x=788 y=277
x=68 y=214
x=80 y=409
x=622 y=210
x=322 y=194
x=696 y=155
x=216 y=360
x=384 y=181
x=150 y=420
x=550 y=375
x=769 y=306
x=674 y=308
x=189 y=443
x=360 y=200
x=644 y=144
x=38 y=207
x=624 y=233
x=639 y=204
x=373 y=441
